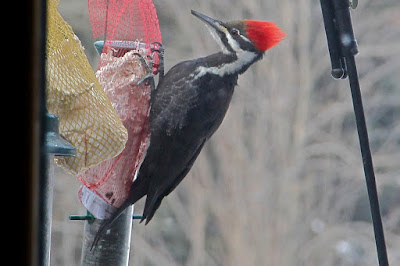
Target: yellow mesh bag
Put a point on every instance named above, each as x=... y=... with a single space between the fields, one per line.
x=87 y=118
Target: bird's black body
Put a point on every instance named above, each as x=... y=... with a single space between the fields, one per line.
x=184 y=115
x=187 y=107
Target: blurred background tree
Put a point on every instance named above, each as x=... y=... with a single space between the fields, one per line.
x=281 y=182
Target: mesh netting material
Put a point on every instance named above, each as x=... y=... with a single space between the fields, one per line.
x=129 y=27
x=111 y=179
x=87 y=118
x=125 y=21
x=128 y=20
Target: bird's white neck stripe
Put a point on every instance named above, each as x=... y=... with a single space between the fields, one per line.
x=243 y=58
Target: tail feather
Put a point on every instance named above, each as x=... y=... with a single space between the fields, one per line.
x=138 y=190
x=152 y=211
x=108 y=222
x=153 y=201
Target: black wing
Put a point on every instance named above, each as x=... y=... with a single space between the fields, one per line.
x=174 y=142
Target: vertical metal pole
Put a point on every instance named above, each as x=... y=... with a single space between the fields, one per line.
x=46 y=210
x=54 y=144
x=50 y=144
x=342 y=48
x=367 y=162
x=114 y=246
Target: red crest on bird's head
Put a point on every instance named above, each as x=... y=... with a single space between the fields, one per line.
x=263 y=34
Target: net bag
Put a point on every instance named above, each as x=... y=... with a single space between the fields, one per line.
x=131 y=29
x=87 y=119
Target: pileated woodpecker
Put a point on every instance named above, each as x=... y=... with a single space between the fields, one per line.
x=188 y=106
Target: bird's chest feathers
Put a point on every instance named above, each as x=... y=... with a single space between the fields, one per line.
x=217 y=90
x=214 y=98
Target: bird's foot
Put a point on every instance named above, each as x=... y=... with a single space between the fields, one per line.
x=148 y=65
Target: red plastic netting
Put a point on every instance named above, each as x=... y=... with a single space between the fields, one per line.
x=124 y=20
x=129 y=27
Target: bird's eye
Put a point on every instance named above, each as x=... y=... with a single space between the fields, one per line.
x=235 y=32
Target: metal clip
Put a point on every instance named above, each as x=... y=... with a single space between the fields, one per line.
x=134 y=217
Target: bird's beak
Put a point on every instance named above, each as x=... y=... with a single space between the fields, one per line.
x=216 y=24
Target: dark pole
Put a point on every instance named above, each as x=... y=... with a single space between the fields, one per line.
x=38 y=246
x=367 y=162
x=43 y=222
x=50 y=144
x=342 y=48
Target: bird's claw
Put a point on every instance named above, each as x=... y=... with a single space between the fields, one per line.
x=157 y=47
x=148 y=66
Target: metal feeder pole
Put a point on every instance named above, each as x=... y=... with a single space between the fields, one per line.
x=114 y=246
x=50 y=144
x=54 y=145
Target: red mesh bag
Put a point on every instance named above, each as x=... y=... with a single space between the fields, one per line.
x=125 y=24
x=130 y=28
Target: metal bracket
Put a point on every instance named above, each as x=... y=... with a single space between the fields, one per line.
x=90 y=218
x=55 y=144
